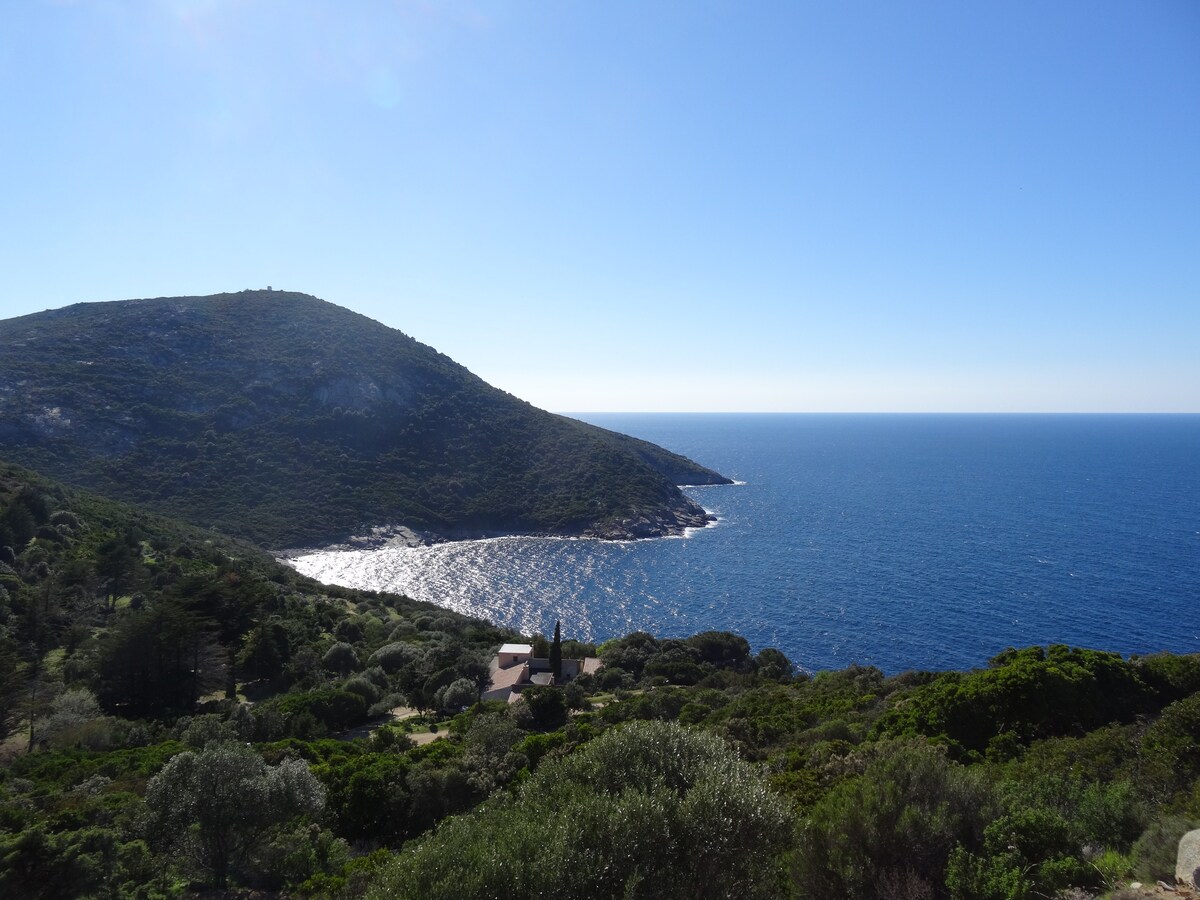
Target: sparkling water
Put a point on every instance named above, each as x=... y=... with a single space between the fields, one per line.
x=902 y=541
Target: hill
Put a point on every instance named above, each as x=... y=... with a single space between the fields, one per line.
x=152 y=613
x=284 y=419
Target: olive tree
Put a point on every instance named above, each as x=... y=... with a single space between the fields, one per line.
x=648 y=810
x=217 y=805
x=456 y=696
x=340 y=658
x=71 y=713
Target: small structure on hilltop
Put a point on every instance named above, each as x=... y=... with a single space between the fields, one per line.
x=514 y=668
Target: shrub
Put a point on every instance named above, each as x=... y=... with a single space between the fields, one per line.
x=907 y=812
x=334 y=710
x=651 y=810
x=1155 y=851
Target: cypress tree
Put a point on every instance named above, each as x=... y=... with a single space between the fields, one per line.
x=556 y=653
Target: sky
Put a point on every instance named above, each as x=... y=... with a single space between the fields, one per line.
x=641 y=206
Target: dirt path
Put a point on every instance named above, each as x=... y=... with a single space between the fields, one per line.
x=1160 y=890
x=421 y=738
x=397 y=714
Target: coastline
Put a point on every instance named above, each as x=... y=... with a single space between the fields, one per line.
x=833 y=555
x=676 y=521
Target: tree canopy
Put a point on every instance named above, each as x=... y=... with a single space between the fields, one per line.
x=217 y=805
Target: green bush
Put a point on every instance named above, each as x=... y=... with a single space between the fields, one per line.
x=333 y=710
x=971 y=877
x=650 y=810
x=1032 y=693
x=1155 y=851
x=1171 y=748
x=906 y=813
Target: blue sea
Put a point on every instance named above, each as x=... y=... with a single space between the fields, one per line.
x=900 y=541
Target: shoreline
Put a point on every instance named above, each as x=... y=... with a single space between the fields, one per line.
x=675 y=523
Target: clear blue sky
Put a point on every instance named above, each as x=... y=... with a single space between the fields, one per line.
x=641 y=205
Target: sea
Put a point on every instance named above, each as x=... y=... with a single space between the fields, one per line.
x=898 y=541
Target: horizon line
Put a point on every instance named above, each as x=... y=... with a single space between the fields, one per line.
x=867 y=412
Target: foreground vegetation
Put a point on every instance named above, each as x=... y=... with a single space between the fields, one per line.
x=181 y=712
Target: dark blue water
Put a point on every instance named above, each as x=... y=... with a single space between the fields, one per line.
x=914 y=541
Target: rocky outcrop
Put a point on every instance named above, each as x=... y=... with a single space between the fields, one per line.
x=673 y=521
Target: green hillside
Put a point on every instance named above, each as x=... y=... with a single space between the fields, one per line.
x=289 y=421
x=179 y=712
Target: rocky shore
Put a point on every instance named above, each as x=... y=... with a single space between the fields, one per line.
x=671 y=522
